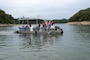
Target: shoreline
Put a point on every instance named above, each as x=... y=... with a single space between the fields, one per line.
x=80 y=23
x=2 y=25
x=7 y=25
x=72 y=23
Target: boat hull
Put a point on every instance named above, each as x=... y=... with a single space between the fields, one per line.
x=39 y=32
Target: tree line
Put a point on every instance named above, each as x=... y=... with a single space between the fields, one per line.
x=6 y=18
x=60 y=20
x=82 y=15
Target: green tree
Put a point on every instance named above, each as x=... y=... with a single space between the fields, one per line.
x=6 y=18
x=82 y=15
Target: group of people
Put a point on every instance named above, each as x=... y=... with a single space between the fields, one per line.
x=46 y=25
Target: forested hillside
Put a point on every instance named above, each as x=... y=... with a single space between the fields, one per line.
x=6 y=18
x=82 y=15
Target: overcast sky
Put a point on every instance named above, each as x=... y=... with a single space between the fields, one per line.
x=46 y=9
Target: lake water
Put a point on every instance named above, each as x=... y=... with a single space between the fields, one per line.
x=74 y=44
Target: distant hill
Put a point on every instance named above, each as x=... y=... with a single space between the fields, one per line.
x=6 y=18
x=82 y=15
x=60 y=20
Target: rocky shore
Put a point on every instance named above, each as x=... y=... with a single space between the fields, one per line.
x=80 y=23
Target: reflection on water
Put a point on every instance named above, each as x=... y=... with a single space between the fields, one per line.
x=9 y=39
x=37 y=41
x=82 y=32
x=74 y=44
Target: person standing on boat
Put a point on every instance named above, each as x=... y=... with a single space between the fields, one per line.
x=45 y=22
x=43 y=28
x=51 y=22
x=31 y=27
x=52 y=26
x=37 y=28
x=48 y=25
x=27 y=28
x=44 y=25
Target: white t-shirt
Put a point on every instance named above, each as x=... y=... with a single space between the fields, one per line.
x=52 y=27
x=31 y=28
